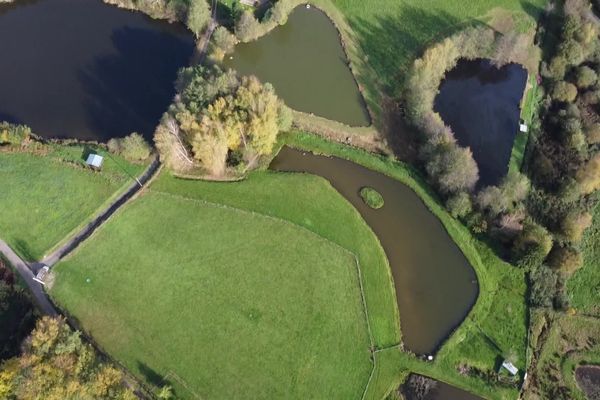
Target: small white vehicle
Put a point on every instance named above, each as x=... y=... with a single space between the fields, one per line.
x=41 y=274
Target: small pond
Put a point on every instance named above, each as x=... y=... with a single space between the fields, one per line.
x=481 y=104
x=439 y=391
x=305 y=62
x=588 y=379
x=435 y=285
x=84 y=69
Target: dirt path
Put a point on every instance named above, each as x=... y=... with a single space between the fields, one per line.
x=26 y=273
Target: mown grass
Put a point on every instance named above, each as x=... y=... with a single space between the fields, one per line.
x=496 y=326
x=528 y=111
x=220 y=302
x=49 y=193
x=584 y=286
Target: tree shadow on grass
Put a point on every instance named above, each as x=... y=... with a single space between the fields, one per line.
x=24 y=250
x=151 y=375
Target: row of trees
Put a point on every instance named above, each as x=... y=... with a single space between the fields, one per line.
x=195 y=14
x=56 y=364
x=220 y=122
x=564 y=164
x=17 y=314
x=496 y=210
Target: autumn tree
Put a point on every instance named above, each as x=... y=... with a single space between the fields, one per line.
x=198 y=16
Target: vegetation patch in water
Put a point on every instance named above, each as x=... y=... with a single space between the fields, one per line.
x=372 y=197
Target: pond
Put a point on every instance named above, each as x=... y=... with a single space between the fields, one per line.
x=481 y=104
x=435 y=284
x=305 y=62
x=435 y=390
x=85 y=69
x=588 y=379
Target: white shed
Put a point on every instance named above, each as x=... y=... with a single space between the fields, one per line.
x=523 y=128
x=95 y=161
x=510 y=367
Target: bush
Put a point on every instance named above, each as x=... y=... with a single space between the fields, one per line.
x=453 y=169
x=542 y=286
x=14 y=134
x=574 y=224
x=564 y=92
x=585 y=77
x=224 y=40
x=556 y=69
x=372 y=197
x=459 y=205
x=588 y=176
x=280 y=11
x=132 y=147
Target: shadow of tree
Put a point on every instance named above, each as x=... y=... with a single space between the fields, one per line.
x=151 y=375
x=22 y=247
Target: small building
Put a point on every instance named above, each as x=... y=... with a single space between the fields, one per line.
x=510 y=367
x=523 y=128
x=42 y=274
x=95 y=161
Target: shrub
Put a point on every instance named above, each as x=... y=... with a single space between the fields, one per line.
x=247 y=27
x=371 y=197
x=585 y=77
x=542 y=286
x=564 y=91
x=556 y=69
x=132 y=147
x=459 y=205
x=453 y=169
x=280 y=11
x=14 y=134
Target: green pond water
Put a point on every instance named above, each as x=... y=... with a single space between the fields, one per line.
x=305 y=62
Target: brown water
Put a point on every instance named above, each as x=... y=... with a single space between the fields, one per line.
x=305 y=62
x=481 y=104
x=588 y=379
x=84 y=69
x=435 y=285
x=443 y=391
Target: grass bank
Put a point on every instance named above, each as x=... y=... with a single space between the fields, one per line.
x=496 y=326
x=221 y=302
x=52 y=193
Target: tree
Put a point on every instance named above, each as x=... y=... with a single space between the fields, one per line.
x=593 y=133
x=585 y=77
x=532 y=245
x=565 y=259
x=453 y=169
x=56 y=364
x=223 y=42
x=198 y=16
x=247 y=27
x=574 y=224
x=280 y=11
x=459 y=205
x=564 y=91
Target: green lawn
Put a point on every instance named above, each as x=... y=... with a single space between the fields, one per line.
x=220 y=302
x=48 y=194
x=584 y=286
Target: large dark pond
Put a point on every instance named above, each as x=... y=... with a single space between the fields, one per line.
x=481 y=104
x=84 y=69
x=588 y=379
x=305 y=62
x=435 y=285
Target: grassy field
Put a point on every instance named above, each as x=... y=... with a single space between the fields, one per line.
x=220 y=302
x=584 y=286
x=49 y=193
x=496 y=326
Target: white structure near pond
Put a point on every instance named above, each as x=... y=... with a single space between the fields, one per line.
x=510 y=367
x=523 y=128
x=95 y=161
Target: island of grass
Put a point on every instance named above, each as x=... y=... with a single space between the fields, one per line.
x=371 y=197
x=222 y=299
x=52 y=193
